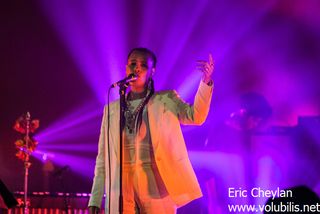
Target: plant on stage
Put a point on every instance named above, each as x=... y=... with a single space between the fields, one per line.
x=27 y=144
x=21 y=145
x=21 y=125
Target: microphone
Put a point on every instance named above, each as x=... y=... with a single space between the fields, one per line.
x=126 y=80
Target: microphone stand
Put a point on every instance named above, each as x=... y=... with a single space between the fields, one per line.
x=64 y=190
x=60 y=175
x=27 y=164
x=122 y=92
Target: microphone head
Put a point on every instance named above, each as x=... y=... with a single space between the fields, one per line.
x=132 y=76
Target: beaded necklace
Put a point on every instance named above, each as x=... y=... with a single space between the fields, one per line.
x=130 y=114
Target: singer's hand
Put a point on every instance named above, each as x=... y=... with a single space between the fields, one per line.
x=206 y=67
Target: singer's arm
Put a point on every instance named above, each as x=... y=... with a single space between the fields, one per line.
x=197 y=113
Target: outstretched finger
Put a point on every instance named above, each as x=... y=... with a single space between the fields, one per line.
x=201 y=62
x=201 y=65
x=211 y=59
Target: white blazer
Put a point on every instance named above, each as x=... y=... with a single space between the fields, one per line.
x=166 y=110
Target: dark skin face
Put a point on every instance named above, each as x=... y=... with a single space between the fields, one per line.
x=140 y=64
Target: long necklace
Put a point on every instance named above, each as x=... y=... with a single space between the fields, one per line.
x=130 y=114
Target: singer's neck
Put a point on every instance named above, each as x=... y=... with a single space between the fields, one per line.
x=133 y=95
x=137 y=90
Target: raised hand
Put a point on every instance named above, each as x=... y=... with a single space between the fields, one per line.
x=206 y=67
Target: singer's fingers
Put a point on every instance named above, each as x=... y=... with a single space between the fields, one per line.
x=203 y=70
x=202 y=62
x=204 y=67
x=205 y=63
x=211 y=62
x=201 y=66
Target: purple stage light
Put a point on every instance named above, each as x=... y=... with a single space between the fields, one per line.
x=71 y=148
x=93 y=38
x=75 y=125
x=255 y=49
x=44 y=157
x=70 y=159
x=76 y=163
